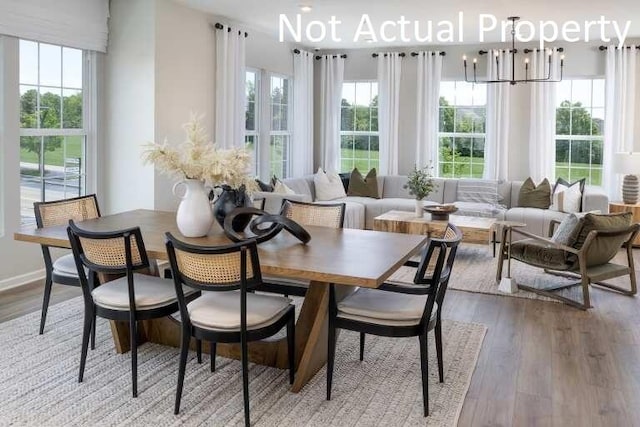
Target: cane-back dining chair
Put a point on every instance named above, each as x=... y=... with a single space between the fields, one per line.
x=131 y=297
x=63 y=270
x=313 y=214
x=400 y=309
x=228 y=311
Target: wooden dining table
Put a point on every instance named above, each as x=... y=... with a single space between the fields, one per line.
x=347 y=257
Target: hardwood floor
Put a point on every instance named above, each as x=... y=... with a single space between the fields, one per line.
x=541 y=364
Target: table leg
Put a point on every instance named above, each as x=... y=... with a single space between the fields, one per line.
x=312 y=332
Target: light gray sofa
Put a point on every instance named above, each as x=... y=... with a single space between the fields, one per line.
x=361 y=211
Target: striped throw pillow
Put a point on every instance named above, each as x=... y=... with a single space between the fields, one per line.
x=478 y=191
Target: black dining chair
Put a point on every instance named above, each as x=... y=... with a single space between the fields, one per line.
x=400 y=309
x=63 y=270
x=131 y=297
x=228 y=311
x=314 y=214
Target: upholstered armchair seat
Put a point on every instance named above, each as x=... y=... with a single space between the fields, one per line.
x=150 y=292
x=221 y=310
x=542 y=254
x=66 y=266
x=384 y=308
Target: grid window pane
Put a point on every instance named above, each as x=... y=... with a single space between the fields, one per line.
x=579 y=130
x=359 y=146
x=462 y=129
x=50 y=65
x=52 y=164
x=280 y=139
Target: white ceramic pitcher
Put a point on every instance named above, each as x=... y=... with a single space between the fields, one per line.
x=194 y=217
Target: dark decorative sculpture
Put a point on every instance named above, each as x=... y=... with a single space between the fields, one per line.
x=265 y=226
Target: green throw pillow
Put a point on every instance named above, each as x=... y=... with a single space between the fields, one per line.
x=604 y=249
x=535 y=197
x=363 y=186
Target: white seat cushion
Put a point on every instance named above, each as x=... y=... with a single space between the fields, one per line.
x=151 y=292
x=384 y=308
x=65 y=266
x=221 y=310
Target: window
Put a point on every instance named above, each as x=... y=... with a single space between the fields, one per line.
x=461 y=137
x=52 y=134
x=251 y=115
x=580 y=129
x=280 y=135
x=268 y=121
x=359 y=144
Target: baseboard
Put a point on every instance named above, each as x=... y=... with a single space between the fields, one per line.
x=23 y=279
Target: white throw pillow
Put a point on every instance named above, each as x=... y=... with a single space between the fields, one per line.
x=566 y=199
x=281 y=188
x=328 y=186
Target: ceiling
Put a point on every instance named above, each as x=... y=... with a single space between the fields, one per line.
x=263 y=15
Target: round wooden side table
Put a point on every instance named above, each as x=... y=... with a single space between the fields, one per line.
x=615 y=207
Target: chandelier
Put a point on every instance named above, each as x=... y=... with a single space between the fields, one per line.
x=512 y=80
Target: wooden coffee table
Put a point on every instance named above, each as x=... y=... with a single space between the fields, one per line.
x=474 y=229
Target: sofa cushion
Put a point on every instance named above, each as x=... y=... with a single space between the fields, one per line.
x=363 y=186
x=478 y=191
x=263 y=186
x=328 y=185
x=567 y=197
x=394 y=187
x=376 y=207
x=541 y=254
x=282 y=188
x=300 y=186
x=537 y=220
x=485 y=210
x=532 y=196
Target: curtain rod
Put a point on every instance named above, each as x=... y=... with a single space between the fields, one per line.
x=484 y=52
x=602 y=48
x=219 y=26
x=375 y=55
x=344 y=55
x=432 y=53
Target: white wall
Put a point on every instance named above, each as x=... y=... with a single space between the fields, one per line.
x=184 y=80
x=582 y=60
x=18 y=259
x=129 y=106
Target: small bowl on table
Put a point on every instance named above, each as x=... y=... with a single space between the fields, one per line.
x=440 y=212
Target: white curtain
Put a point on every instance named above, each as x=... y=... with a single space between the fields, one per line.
x=75 y=23
x=496 y=146
x=542 y=119
x=620 y=115
x=427 y=118
x=302 y=147
x=389 y=73
x=230 y=88
x=331 y=77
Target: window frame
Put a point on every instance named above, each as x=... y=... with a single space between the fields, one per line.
x=288 y=133
x=570 y=137
x=355 y=133
x=255 y=133
x=88 y=131
x=458 y=135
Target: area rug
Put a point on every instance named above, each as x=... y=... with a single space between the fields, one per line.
x=38 y=381
x=475 y=271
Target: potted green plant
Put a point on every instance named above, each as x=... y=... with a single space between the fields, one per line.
x=420 y=184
